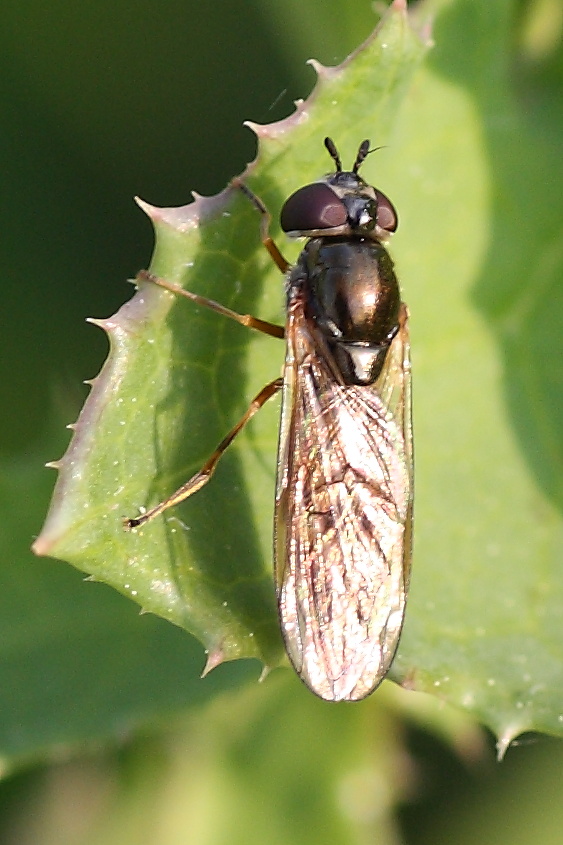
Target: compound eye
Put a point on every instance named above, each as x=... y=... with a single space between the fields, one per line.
x=312 y=207
x=386 y=215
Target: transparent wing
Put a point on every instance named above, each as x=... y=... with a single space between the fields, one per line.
x=343 y=515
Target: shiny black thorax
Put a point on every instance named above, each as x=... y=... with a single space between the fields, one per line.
x=344 y=274
x=352 y=296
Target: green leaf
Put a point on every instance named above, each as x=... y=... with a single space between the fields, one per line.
x=475 y=175
x=178 y=377
x=480 y=252
x=77 y=660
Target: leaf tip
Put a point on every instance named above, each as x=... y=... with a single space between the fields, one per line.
x=214 y=659
x=506 y=737
x=271 y=131
x=322 y=71
x=181 y=217
x=106 y=325
x=264 y=673
x=41 y=546
x=184 y=218
x=150 y=210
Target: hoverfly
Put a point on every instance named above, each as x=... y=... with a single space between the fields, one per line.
x=344 y=492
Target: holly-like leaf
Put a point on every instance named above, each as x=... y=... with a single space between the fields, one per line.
x=479 y=253
x=475 y=179
x=178 y=377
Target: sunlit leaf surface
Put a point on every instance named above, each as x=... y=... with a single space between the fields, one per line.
x=475 y=180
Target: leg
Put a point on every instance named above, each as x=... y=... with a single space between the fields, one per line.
x=202 y=477
x=264 y=224
x=244 y=319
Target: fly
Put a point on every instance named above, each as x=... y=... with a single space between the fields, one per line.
x=344 y=491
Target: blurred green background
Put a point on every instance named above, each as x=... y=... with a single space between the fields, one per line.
x=101 y=102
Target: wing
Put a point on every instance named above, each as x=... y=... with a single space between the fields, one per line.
x=343 y=515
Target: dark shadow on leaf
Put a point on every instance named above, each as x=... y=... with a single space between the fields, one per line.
x=215 y=540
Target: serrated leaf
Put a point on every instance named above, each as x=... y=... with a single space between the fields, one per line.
x=478 y=253
x=77 y=662
x=177 y=378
